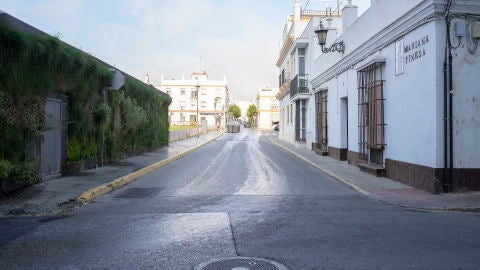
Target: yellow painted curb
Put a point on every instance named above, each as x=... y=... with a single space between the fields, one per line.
x=96 y=192
x=346 y=182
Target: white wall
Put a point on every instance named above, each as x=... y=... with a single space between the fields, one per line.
x=287 y=129
x=466 y=107
x=410 y=106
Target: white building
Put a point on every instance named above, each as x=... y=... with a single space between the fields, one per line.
x=267 y=107
x=295 y=65
x=213 y=100
x=393 y=103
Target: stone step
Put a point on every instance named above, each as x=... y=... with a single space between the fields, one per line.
x=372 y=169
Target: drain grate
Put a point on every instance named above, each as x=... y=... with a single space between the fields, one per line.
x=240 y=263
x=139 y=192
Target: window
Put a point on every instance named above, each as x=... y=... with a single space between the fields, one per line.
x=301 y=61
x=273 y=104
x=203 y=91
x=182 y=117
x=193 y=104
x=203 y=104
x=182 y=105
x=182 y=91
x=371 y=121
x=193 y=94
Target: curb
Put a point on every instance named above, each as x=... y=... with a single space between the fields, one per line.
x=346 y=182
x=469 y=209
x=98 y=191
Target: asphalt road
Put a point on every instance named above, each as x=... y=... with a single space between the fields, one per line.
x=241 y=196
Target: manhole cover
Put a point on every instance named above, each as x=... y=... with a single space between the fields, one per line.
x=139 y=192
x=240 y=263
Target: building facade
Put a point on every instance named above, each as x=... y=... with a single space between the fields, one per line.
x=294 y=62
x=402 y=99
x=267 y=107
x=212 y=100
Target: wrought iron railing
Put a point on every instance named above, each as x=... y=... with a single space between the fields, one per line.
x=299 y=85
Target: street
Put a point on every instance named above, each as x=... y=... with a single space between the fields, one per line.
x=241 y=195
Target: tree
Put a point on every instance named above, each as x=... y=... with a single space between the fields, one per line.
x=252 y=113
x=235 y=111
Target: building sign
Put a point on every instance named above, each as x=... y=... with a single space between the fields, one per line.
x=399 y=57
x=415 y=50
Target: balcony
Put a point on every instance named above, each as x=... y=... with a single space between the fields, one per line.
x=299 y=88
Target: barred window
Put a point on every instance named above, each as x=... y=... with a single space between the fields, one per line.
x=371 y=121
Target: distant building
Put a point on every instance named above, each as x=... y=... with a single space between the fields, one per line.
x=213 y=100
x=267 y=107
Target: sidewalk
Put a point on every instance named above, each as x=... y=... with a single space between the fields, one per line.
x=382 y=188
x=57 y=195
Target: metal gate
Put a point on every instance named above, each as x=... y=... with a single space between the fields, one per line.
x=51 y=141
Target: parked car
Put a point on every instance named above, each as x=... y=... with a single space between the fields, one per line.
x=247 y=125
x=276 y=125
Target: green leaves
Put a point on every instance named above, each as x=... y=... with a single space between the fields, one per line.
x=235 y=111
x=33 y=68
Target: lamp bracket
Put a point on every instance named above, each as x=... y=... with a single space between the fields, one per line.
x=336 y=47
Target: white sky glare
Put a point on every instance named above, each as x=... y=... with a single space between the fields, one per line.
x=238 y=39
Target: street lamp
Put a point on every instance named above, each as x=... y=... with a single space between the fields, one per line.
x=321 y=33
x=198 y=89
x=215 y=105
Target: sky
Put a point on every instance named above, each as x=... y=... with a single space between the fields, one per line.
x=236 y=39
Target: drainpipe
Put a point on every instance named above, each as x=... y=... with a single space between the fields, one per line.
x=445 y=122
x=448 y=112
x=450 y=116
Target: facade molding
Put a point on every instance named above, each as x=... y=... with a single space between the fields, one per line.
x=423 y=13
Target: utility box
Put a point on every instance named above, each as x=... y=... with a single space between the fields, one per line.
x=476 y=30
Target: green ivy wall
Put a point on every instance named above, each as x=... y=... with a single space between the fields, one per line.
x=33 y=68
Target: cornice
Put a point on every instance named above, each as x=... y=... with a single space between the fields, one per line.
x=285 y=48
x=421 y=14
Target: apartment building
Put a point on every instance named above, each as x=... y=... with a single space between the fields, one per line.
x=197 y=96
x=267 y=107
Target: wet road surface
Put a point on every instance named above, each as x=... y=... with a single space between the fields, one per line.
x=241 y=196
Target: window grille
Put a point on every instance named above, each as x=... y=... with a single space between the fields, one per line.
x=371 y=121
x=321 y=111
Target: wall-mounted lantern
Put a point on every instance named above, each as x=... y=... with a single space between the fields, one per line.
x=321 y=33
